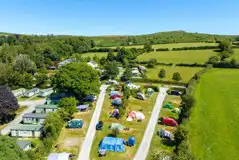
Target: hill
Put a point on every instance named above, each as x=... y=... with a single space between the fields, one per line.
x=159 y=38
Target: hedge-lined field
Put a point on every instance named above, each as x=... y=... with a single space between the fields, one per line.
x=188 y=57
x=213 y=126
x=186 y=72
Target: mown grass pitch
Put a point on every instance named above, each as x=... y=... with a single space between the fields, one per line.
x=213 y=125
x=186 y=72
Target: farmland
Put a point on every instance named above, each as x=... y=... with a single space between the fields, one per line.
x=188 y=57
x=136 y=128
x=213 y=126
x=98 y=54
x=186 y=72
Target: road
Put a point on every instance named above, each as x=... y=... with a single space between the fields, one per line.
x=148 y=134
x=90 y=135
x=31 y=106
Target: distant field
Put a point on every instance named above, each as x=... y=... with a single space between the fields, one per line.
x=172 y=45
x=189 y=57
x=186 y=72
x=213 y=126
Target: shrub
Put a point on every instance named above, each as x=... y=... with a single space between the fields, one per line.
x=115 y=131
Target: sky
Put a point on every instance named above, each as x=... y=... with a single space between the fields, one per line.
x=118 y=17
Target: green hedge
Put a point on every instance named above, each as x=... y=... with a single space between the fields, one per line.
x=158 y=81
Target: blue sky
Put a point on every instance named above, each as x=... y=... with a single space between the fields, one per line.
x=124 y=17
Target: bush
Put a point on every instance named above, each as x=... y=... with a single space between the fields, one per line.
x=115 y=132
x=195 y=48
x=162 y=49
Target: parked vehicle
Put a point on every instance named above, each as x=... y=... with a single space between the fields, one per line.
x=169 y=121
x=99 y=125
x=90 y=98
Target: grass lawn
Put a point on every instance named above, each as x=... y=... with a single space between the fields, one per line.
x=189 y=57
x=21 y=109
x=213 y=125
x=92 y=54
x=70 y=140
x=186 y=72
x=137 y=128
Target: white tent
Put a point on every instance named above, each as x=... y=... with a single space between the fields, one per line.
x=59 y=156
x=139 y=115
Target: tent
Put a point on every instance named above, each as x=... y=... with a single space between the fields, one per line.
x=115 y=113
x=164 y=134
x=83 y=107
x=169 y=121
x=169 y=106
x=176 y=110
x=149 y=91
x=112 y=144
x=139 y=115
x=59 y=156
x=75 y=123
x=131 y=141
x=117 y=102
x=141 y=96
x=114 y=93
x=115 y=96
x=131 y=116
x=117 y=125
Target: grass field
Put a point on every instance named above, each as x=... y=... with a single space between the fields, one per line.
x=213 y=126
x=186 y=72
x=158 y=143
x=172 y=45
x=70 y=140
x=137 y=128
x=189 y=57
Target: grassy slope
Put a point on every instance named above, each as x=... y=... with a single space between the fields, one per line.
x=137 y=127
x=98 y=54
x=186 y=72
x=189 y=57
x=157 y=142
x=214 y=121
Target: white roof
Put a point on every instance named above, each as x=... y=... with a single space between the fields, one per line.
x=58 y=156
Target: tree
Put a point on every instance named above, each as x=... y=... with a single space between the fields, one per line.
x=225 y=50
x=148 y=47
x=40 y=79
x=24 y=64
x=5 y=71
x=125 y=62
x=213 y=60
x=152 y=62
x=111 y=69
x=127 y=92
x=69 y=104
x=8 y=105
x=162 y=73
x=92 y=43
x=115 y=131
x=28 y=80
x=10 y=150
x=128 y=74
x=103 y=61
x=177 y=76
x=96 y=58
x=78 y=79
x=110 y=56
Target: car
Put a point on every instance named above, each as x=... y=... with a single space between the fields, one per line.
x=99 y=125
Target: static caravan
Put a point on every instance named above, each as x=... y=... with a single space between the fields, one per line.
x=19 y=92
x=45 y=108
x=24 y=145
x=31 y=92
x=26 y=130
x=34 y=118
x=46 y=92
x=93 y=64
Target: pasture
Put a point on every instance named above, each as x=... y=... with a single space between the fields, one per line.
x=92 y=54
x=187 y=57
x=136 y=128
x=186 y=72
x=173 y=45
x=213 y=124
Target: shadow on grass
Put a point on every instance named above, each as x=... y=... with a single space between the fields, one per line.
x=167 y=142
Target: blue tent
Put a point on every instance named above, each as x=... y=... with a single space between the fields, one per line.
x=83 y=107
x=117 y=102
x=112 y=144
x=131 y=141
x=114 y=93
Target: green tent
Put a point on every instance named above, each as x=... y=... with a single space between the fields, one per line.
x=169 y=106
x=116 y=125
x=75 y=123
